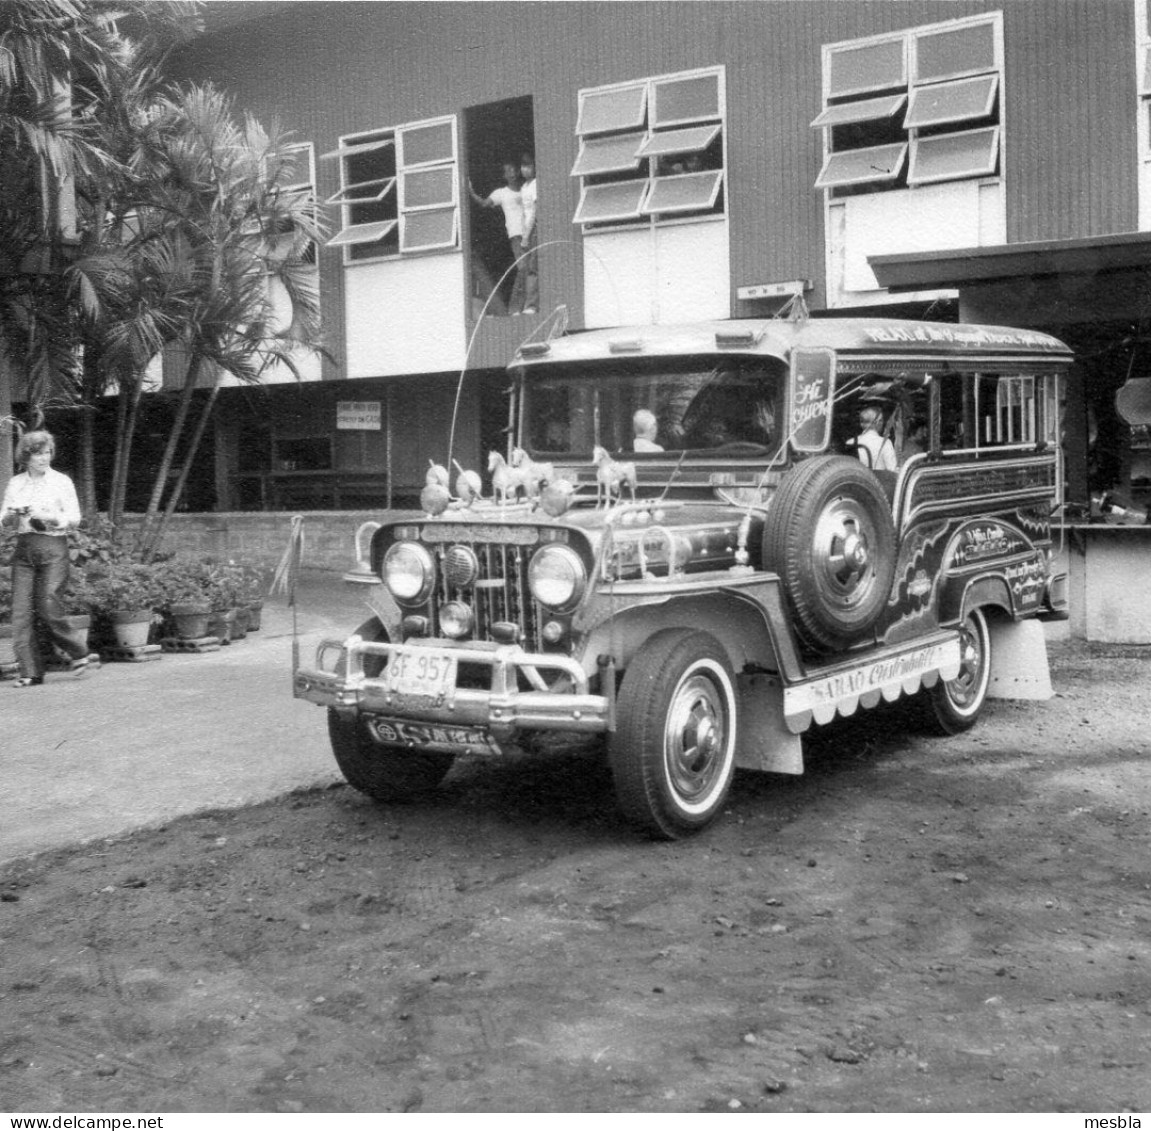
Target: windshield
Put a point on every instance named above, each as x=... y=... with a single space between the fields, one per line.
x=649 y=407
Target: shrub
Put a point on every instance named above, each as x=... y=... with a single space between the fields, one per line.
x=124 y=586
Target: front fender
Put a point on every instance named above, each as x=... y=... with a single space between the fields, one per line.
x=747 y=618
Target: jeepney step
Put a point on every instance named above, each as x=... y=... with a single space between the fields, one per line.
x=131 y=654
x=200 y=644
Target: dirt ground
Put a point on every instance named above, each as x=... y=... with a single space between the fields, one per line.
x=914 y=925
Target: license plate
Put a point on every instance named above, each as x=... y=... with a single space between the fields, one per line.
x=434 y=736
x=420 y=671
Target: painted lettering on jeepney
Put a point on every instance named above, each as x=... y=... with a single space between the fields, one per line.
x=960 y=336
x=979 y=543
x=1026 y=581
x=877 y=675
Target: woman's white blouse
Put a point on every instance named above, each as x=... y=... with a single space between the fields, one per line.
x=51 y=493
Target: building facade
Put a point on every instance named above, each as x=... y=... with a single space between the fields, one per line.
x=694 y=160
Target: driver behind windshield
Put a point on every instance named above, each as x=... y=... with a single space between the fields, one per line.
x=734 y=408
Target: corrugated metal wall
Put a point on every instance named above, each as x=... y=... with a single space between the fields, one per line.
x=332 y=69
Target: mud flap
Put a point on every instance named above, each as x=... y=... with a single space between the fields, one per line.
x=1019 y=661
x=764 y=742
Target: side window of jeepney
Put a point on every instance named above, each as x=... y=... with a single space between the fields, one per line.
x=981 y=411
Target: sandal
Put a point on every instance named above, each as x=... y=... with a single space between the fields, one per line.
x=28 y=681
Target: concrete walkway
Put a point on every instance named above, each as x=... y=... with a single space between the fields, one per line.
x=131 y=745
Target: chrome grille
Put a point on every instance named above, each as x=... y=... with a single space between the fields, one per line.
x=499 y=592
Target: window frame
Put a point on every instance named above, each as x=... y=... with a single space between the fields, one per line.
x=698 y=133
x=350 y=235
x=916 y=125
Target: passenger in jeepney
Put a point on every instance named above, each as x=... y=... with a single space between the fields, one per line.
x=915 y=442
x=872 y=447
x=645 y=428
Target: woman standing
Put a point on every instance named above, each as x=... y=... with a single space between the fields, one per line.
x=42 y=505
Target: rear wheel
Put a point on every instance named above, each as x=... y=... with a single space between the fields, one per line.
x=384 y=772
x=673 y=752
x=953 y=705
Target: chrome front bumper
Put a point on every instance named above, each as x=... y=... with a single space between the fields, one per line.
x=501 y=708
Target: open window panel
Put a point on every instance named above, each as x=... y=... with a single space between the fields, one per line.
x=619 y=200
x=948 y=157
x=616 y=153
x=367 y=193
x=685 y=192
x=862 y=110
x=355 y=148
x=878 y=164
x=961 y=101
x=356 y=234
x=666 y=143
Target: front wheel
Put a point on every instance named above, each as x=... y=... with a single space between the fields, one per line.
x=385 y=773
x=953 y=705
x=673 y=752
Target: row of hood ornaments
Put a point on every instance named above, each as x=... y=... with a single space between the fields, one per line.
x=522 y=482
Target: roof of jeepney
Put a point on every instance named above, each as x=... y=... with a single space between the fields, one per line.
x=773 y=337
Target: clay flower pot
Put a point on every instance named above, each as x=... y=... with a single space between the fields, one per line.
x=130 y=627
x=190 y=621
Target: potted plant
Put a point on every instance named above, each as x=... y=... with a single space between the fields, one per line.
x=224 y=589
x=252 y=585
x=77 y=599
x=186 y=600
x=124 y=596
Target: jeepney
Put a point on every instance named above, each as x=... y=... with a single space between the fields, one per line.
x=685 y=553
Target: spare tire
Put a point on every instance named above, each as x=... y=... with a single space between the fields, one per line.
x=830 y=537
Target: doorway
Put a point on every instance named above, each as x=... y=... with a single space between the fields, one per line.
x=493 y=133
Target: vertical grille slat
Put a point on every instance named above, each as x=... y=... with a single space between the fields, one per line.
x=508 y=600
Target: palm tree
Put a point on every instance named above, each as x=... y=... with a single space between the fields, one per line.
x=238 y=240
x=54 y=58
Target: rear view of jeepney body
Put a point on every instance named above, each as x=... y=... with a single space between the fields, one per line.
x=685 y=553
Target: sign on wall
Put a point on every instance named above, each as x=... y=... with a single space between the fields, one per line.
x=362 y=416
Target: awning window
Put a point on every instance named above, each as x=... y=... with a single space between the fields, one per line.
x=361 y=233
x=865 y=110
x=427 y=144
x=689 y=192
x=868 y=66
x=951 y=102
x=423 y=231
x=694 y=139
x=877 y=163
x=614 y=154
x=619 y=201
x=429 y=188
x=955 y=51
x=366 y=193
x=679 y=100
x=355 y=148
x=620 y=109
x=948 y=156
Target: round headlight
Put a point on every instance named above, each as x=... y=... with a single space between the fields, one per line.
x=409 y=572
x=557 y=577
x=456 y=620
